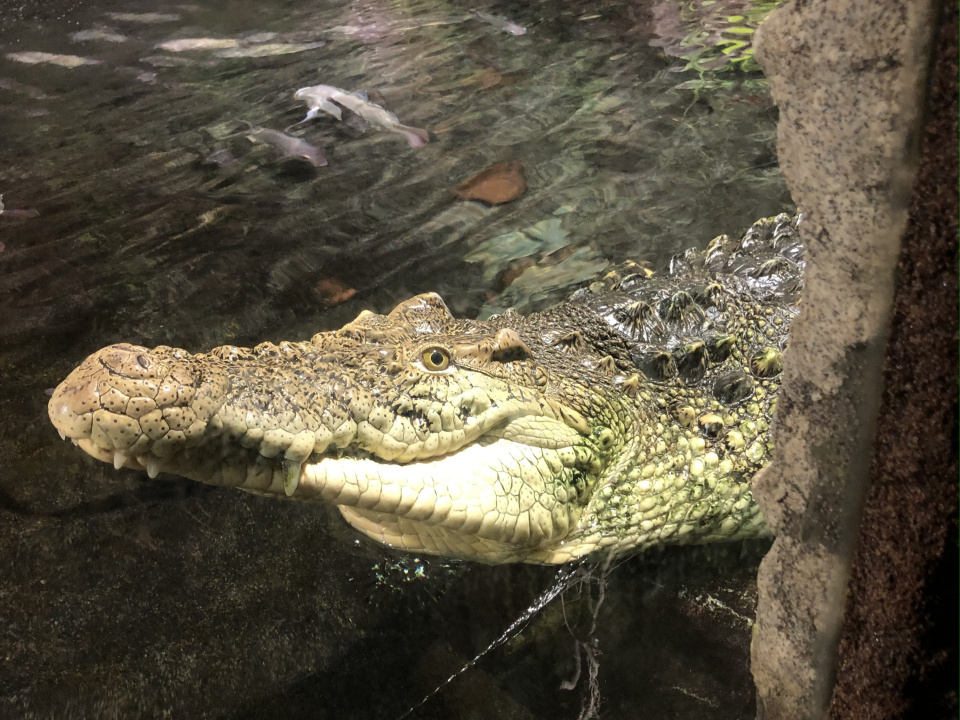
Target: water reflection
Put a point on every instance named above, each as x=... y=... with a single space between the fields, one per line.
x=136 y=208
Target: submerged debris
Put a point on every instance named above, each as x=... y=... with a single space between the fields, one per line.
x=515 y=251
x=544 y=281
x=331 y=292
x=498 y=184
x=492 y=77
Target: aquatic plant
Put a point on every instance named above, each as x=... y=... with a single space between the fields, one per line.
x=713 y=37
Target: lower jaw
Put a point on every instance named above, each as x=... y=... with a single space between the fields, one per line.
x=500 y=491
x=459 y=492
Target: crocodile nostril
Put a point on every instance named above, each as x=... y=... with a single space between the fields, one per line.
x=131 y=361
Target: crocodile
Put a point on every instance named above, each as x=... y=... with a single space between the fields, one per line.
x=633 y=414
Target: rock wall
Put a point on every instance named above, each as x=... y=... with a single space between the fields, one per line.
x=849 y=79
x=898 y=647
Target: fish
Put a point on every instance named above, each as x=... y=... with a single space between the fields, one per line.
x=205 y=43
x=268 y=50
x=97 y=34
x=150 y=17
x=290 y=145
x=18 y=87
x=176 y=61
x=34 y=58
x=221 y=158
x=329 y=99
x=500 y=23
x=381 y=28
x=31 y=213
x=259 y=37
x=233 y=48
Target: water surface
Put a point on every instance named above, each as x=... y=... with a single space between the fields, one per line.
x=136 y=209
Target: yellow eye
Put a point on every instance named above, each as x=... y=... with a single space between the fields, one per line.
x=435 y=358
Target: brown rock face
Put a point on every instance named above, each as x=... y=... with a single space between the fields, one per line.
x=898 y=647
x=849 y=78
x=498 y=184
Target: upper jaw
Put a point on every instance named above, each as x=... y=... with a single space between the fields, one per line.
x=160 y=410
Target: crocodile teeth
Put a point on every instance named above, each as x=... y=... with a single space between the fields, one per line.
x=153 y=466
x=291 y=476
x=118 y=460
x=63 y=435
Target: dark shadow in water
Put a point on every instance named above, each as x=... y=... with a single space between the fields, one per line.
x=670 y=625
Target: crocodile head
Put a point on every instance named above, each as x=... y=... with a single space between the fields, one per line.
x=429 y=433
x=634 y=414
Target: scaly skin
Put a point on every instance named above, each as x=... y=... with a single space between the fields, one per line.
x=634 y=414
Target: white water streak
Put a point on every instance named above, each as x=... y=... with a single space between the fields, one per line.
x=561 y=582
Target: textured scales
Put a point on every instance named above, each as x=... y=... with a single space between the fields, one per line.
x=633 y=414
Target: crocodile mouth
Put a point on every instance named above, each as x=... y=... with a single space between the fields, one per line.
x=519 y=485
x=524 y=433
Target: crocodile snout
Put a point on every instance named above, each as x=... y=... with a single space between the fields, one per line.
x=130 y=399
x=93 y=386
x=131 y=361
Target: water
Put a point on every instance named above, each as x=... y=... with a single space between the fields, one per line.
x=123 y=596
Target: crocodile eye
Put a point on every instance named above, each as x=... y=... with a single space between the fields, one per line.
x=435 y=358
